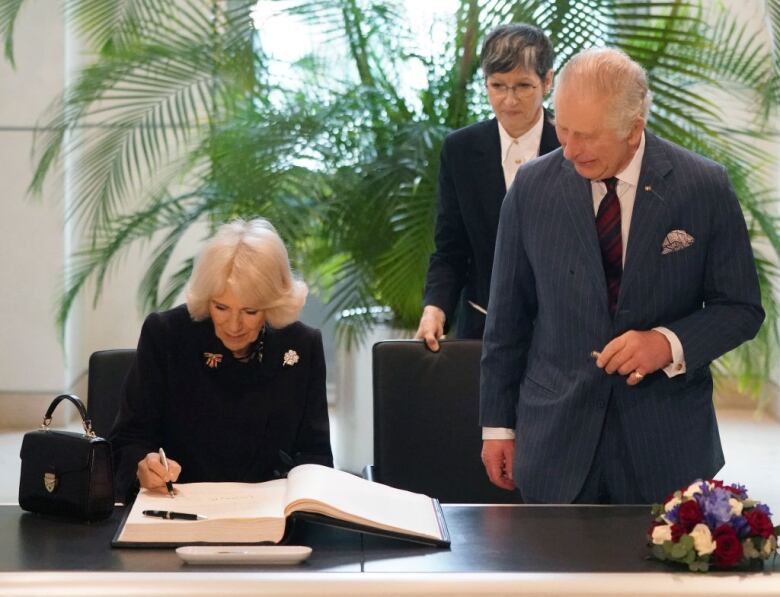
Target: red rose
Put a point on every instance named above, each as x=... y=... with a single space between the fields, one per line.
x=728 y=549
x=717 y=483
x=759 y=522
x=689 y=514
x=678 y=531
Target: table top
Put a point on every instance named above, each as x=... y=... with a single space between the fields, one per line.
x=31 y=542
x=498 y=549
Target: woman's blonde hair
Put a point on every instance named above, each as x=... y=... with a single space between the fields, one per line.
x=250 y=259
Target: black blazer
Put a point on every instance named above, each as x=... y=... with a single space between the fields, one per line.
x=225 y=423
x=471 y=189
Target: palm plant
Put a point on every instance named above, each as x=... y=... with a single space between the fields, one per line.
x=186 y=114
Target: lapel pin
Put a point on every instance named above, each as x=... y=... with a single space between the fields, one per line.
x=290 y=358
x=648 y=188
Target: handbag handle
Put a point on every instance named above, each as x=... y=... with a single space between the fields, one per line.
x=76 y=401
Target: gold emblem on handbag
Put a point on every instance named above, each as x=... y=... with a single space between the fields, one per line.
x=50 y=481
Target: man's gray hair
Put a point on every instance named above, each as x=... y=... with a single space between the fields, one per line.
x=607 y=72
x=516 y=45
x=250 y=259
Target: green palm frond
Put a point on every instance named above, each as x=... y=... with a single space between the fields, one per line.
x=9 y=11
x=142 y=103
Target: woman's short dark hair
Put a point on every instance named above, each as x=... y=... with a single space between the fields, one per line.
x=516 y=45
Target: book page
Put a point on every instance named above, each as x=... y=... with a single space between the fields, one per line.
x=323 y=490
x=235 y=512
x=217 y=500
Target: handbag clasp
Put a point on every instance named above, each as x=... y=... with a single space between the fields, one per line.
x=50 y=481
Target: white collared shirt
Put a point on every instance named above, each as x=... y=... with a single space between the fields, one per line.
x=517 y=151
x=628 y=181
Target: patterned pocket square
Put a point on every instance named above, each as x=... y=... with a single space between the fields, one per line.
x=676 y=240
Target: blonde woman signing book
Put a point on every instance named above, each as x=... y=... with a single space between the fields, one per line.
x=230 y=383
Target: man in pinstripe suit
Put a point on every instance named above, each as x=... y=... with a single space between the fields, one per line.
x=595 y=368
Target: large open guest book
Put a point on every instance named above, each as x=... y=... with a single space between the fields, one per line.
x=242 y=513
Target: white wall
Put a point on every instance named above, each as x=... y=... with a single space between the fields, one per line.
x=31 y=233
x=35 y=237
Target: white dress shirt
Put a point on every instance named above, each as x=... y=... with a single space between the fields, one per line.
x=516 y=151
x=628 y=180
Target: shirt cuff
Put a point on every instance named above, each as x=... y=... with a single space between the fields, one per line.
x=677 y=366
x=497 y=433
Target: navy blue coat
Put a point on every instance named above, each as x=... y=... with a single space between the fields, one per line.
x=226 y=423
x=471 y=189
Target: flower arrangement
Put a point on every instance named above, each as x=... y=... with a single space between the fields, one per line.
x=712 y=524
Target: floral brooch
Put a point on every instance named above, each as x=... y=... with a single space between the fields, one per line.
x=290 y=358
x=213 y=359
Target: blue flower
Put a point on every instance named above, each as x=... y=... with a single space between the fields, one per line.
x=741 y=491
x=764 y=508
x=671 y=515
x=715 y=505
x=741 y=526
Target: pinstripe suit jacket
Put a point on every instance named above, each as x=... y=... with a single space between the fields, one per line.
x=548 y=310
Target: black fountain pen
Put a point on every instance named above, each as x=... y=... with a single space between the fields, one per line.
x=167 y=515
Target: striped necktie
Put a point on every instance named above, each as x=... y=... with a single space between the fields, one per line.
x=608 y=230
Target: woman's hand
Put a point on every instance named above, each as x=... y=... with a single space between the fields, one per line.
x=431 y=328
x=152 y=474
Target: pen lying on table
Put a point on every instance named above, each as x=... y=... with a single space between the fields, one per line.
x=167 y=515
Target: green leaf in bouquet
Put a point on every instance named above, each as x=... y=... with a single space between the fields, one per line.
x=681 y=548
x=669 y=550
x=659 y=552
x=699 y=566
x=657 y=510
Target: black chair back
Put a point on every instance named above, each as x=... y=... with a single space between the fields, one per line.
x=107 y=372
x=427 y=436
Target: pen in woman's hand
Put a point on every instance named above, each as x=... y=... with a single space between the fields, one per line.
x=168 y=483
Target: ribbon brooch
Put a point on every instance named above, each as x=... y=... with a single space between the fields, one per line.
x=213 y=359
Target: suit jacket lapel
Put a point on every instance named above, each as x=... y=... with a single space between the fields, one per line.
x=486 y=157
x=649 y=216
x=549 y=140
x=579 y=204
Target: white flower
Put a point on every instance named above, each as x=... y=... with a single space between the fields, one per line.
x=290 y=358
x=770 y=544
x=662 y=533
x=736 y=506
x=693 y=488
x=672 y=503
x=702 y=539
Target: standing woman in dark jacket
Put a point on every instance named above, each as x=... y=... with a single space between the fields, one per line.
x=478 y=164
x=229 y=384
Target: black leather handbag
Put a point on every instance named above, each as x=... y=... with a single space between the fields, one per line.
x=66 y=473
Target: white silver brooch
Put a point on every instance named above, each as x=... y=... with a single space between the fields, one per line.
x=291 y=357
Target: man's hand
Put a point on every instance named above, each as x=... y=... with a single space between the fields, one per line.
x=152 y=474
x=636 y=355
x=498 y=456
x=431 y=328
